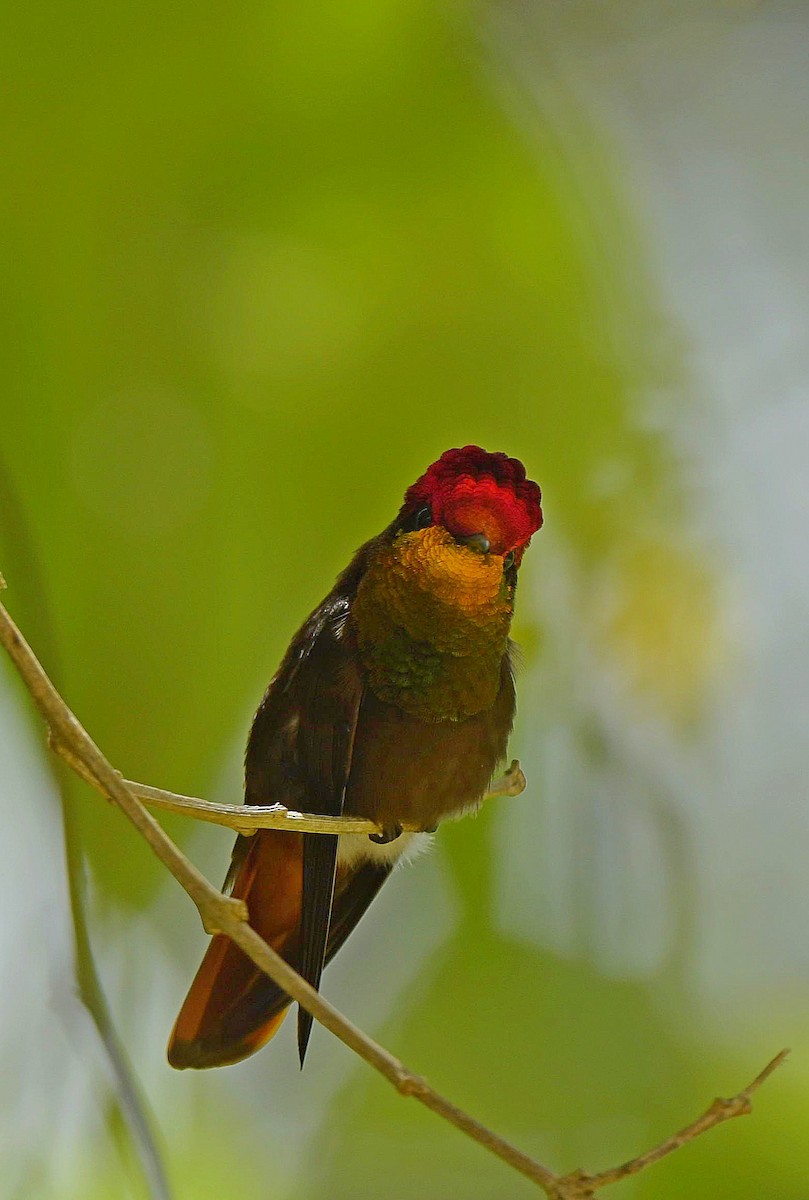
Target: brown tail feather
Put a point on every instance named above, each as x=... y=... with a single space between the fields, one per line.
x=232 y=1008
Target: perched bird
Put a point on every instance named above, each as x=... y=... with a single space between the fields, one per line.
x=394 y=702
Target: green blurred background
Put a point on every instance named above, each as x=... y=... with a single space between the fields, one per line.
x=260 y=266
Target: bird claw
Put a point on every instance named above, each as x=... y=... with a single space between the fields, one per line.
x=388 y=834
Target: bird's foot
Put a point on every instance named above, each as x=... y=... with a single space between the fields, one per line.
x=388 y=834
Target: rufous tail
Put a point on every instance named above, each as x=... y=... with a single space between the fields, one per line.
x=233 y=1008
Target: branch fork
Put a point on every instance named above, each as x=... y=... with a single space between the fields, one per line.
x=224 y=914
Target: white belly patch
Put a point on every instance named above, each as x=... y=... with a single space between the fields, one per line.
x=356 y=848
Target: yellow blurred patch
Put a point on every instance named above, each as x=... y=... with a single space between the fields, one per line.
x=662 y=621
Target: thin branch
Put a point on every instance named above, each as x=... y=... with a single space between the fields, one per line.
x=247 y=819
x=128 y=1103
x=717 y=1113
x=125 y=1092
x=222 y=914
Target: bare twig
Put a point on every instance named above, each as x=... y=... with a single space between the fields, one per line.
x=222 y=914
x=247 y=819
x=721 y=1110
x=127 y=1103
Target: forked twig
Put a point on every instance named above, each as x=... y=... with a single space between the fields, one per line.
x=222 y=914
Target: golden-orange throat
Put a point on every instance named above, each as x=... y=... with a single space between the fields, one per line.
x=432 y=618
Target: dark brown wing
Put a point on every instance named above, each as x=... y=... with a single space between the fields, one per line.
x=299 y=753
x=329 y=687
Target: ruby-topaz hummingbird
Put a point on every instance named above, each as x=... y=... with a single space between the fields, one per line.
x=394 y=702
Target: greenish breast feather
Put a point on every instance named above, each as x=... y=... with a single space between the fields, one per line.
x=432 y=621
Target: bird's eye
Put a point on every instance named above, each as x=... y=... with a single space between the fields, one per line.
x=423 y=517
x=508 y=561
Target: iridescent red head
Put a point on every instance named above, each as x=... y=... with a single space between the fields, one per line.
x=469 y=491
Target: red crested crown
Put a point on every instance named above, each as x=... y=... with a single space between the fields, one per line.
x=471 y=491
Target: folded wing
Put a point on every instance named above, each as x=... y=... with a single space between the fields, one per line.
x=299 y=753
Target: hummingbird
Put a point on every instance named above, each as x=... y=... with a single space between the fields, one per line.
x=394 y=702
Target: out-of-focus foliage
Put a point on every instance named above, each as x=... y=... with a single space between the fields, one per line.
x=261 y=269
x=260 y=266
